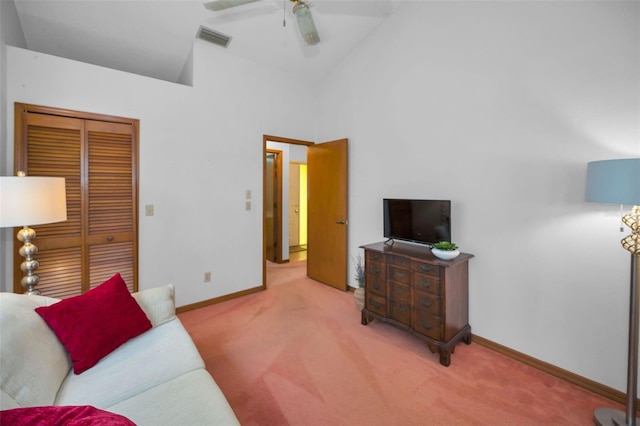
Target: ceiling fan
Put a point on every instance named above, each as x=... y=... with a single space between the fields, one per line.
x=300 y=10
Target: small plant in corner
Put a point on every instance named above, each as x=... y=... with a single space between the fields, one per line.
x=359 y=271
x=445 y=245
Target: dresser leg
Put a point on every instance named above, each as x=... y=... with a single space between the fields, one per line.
x=445 y=356
x=364 y=320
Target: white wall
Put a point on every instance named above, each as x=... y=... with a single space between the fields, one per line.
x=499 y=106
x=10 y=33
x=200 y=150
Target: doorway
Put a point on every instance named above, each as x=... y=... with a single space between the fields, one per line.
x=329 y=194
x=297 y=210
x=284 y=222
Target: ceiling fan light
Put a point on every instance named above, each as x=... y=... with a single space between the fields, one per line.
x=305 y=23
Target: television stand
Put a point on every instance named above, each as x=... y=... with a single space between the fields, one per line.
x=408 y=287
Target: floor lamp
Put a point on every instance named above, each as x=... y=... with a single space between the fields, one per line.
x=31 y=200
x=618 y=182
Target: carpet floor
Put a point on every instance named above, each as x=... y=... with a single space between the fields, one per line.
x=296 y=354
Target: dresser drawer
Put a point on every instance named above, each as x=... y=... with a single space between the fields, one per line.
x=400 y=275
x=400 y=293
x=374 y=268
x=376 y=304
x=428 y=283
x=427 y=268
x=376 y=284
x=400 y=312
x=373 y=256
x=400 y=261
x=425 y=302
x=428 y=324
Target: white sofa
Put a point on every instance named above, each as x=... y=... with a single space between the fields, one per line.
x=157 y=378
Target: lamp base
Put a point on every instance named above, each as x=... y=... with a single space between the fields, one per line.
x=611 y=417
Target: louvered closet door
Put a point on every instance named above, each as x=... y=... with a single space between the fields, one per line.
x=111 y=202
x=54 y=148
x=99 y=161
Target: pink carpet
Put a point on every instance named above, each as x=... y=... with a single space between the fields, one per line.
x=297 y=354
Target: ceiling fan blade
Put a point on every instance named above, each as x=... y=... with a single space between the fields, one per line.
x=218 y=5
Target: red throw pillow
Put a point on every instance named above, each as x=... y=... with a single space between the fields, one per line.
x=94 y=324
x=83 y=415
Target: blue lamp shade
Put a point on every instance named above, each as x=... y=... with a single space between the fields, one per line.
x=614 y=182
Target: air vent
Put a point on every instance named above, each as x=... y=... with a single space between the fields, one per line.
x=212 y=36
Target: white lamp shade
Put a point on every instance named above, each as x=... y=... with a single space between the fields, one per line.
x=614 y=182
x=32 y=200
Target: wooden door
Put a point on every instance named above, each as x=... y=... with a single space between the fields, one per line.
x=111 y=203
x=97 y=155
x=60 y=251
x=327 y=210
x=273 y=201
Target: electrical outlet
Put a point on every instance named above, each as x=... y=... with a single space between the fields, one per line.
x=148 y=210
x=207 y=277
x=247 y=205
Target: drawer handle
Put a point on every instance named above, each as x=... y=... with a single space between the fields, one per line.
x=110 y=238
x=376 y=270
x=400 y=289
x=426 y=303
x=425 y=283
x=402 y=308
x=376 y=304
x=425 y=325
x=376 y=285
x=376 y=256
x=400 y=274
x=425 y=268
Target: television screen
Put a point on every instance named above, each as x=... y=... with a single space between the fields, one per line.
x=420 y=221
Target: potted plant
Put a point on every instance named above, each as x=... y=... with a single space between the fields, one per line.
x=445 y=250
x=359 y=291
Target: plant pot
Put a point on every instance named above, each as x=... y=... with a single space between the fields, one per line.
x=445 y=254
x=358 y=295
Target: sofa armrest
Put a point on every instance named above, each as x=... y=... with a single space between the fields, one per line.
x=157 y=303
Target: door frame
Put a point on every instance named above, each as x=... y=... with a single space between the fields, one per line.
x=265 y=139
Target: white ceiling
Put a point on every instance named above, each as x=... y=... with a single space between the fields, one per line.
x=154 y=37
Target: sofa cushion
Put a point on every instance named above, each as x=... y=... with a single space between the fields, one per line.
x=63 y=416
x=33 y=362
x=158 y=303
x=191 y=399
x=92 y=325
x=159 y=355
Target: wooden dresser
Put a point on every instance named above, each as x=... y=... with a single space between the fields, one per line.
x=407 y=286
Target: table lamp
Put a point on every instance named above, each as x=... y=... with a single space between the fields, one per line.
x=31 y=200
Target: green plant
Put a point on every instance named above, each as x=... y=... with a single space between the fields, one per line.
x=359 y=270
x=445 y=245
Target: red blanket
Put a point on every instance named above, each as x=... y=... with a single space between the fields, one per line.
x=62 y=416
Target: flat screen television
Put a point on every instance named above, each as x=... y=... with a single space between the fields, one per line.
x=418 y=221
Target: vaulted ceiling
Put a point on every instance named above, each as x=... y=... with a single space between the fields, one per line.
x=154 y=37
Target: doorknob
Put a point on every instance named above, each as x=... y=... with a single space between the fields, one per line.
x=341 y=222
